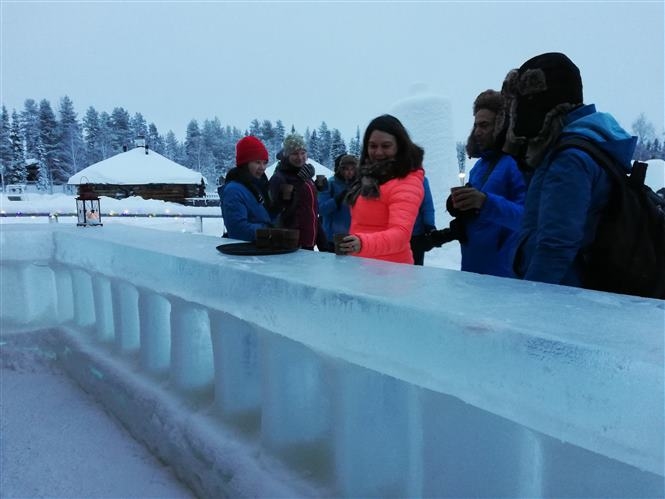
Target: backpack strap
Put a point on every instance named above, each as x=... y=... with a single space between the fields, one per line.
x=606 y=161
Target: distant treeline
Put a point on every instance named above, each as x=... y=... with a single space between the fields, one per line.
x=37 y=146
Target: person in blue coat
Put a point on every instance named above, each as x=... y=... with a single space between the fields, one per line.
x=423 y=227
x=568 y=189
x=335 y=214
x=244 y=195
x=490 y=207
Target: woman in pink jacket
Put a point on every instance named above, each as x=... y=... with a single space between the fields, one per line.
x=387 y=195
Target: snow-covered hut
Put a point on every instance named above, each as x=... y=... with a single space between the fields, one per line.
x=142 y=172
x=318 y=167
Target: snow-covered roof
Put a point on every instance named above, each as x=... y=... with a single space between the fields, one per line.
x=318 y=167
x=135 y=167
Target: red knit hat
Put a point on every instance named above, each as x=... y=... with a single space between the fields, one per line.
x=250 y=149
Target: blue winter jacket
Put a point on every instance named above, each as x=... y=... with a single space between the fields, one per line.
x=490 y=235
x=566 y=196
x=336 y=218
x=425 y=218
x=242 y=212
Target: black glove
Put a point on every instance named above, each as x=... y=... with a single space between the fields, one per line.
x=440 y=237
x=306 y=171
x=339 y=199
x=458 y=230
x=429 y=229
x=459 y=213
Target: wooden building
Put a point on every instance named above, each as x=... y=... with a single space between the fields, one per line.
x=142 y=172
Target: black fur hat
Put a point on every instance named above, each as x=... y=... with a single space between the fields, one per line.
x=541 y=84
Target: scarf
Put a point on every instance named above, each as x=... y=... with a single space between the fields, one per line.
x=370 y=177
x=258 y=187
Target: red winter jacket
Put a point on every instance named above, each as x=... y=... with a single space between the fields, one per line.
x=384 y=224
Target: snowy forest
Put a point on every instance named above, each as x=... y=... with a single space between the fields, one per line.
x=36 y=146
x=39 y=147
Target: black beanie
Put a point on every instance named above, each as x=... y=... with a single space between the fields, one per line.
x=543 y=82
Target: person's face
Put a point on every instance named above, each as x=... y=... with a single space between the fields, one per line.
x=298 y=158
x=348 y=170
x=381 y=146
x=257 y=168
x=483 y=129
x=530 y=114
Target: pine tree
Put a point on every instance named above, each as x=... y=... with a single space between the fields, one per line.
x=193 y=146
x=16 y=173
x=313 y=147
x=155 y=140
x=30 y=128
x=337 y=145
x=325 y=144
x=172 y=147
x=645 y=132
x=121 y=134
x=71 y=151
x=48 y=139
x=268 y=137
x=213 y=139
x=92 y=136
x=255 y=128
x=280 y=133
x=105 y=141
x=44 y=181
x=355 y=145
x=5 y=145
x=138 y=127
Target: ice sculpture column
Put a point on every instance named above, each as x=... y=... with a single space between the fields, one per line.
x=84 y=305
x=101 y=288
x=378 y=435
x=155 y=332
x=191 y=348
x=296 y=407
x=428 y=119
x=237 y=370
x=126 y=316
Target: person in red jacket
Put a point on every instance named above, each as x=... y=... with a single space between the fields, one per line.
x=387 y=195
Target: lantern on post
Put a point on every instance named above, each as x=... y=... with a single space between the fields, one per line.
x=87 y=206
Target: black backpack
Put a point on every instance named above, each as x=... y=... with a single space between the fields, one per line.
x=628 y=253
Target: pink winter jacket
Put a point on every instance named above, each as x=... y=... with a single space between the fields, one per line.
x=384 y=224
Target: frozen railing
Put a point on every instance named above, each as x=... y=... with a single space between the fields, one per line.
x=362 y=378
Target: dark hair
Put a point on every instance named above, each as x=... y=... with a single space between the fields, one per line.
x=409 y=156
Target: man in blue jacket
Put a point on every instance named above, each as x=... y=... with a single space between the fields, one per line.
x=568 y=190
x=335 y=214
x=489 y=208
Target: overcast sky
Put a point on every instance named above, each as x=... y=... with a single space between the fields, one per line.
x=304 y=62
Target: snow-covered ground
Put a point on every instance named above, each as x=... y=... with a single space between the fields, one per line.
x=57 y=442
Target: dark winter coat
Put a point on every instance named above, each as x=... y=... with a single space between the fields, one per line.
x=302 y=211
x=489 y=235
x=244 y=199
x=334 y=212
x=566 y=196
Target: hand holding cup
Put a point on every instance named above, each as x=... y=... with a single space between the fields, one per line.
x=345 y=244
